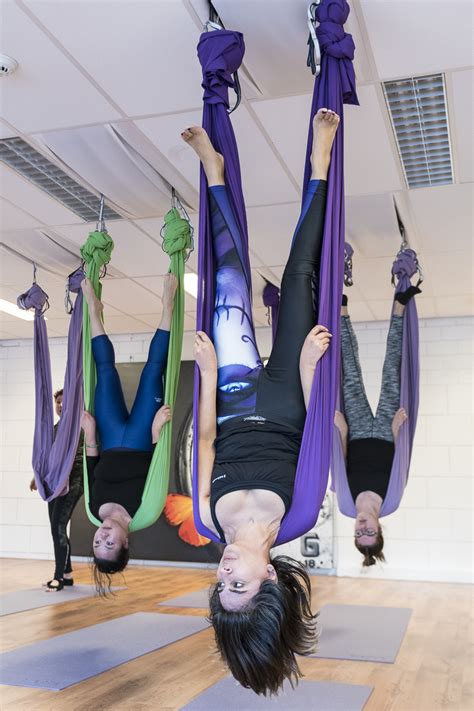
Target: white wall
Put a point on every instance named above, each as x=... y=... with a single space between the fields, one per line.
x=428 y=538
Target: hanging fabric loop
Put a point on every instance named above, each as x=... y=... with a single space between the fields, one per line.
x=35 y=298
x=176 y=233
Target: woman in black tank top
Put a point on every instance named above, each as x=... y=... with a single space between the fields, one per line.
x=251 y=422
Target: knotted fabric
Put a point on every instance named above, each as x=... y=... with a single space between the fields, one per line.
x=404 y=267
x=334 y=86
x=53 y=457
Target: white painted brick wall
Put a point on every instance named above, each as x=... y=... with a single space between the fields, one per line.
x=428 y=538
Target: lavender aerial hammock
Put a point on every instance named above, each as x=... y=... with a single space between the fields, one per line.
x=53 y=457
x=404 y=267
x=221 y=53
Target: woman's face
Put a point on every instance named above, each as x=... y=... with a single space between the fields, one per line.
x=366 y=529
x=240 y=573
x=109 y=540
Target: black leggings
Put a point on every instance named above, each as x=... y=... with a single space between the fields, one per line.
x=245 y=387
x=60 y=512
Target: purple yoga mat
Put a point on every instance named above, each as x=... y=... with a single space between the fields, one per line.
x=65 y=660
x=308 y=696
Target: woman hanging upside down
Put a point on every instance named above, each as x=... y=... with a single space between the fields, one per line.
x=251 y=424
x=118 y=463
x=368 y=441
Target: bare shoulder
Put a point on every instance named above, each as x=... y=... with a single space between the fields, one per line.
x=205 y=513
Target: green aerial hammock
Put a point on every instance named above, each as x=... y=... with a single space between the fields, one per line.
x=96 y=252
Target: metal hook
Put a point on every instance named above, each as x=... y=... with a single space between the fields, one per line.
x=314 y=51
x=34 y=272
x=100 y=226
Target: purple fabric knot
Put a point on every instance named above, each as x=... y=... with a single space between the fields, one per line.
x=35 y=298
x=271 y=295
x=336 y=43
x=406 y=264
x=74 y=280
x=220 y=53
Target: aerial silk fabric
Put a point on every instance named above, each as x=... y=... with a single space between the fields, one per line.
x=221 y=53
x=404 y=267
x=53 y=457
x=96 y=253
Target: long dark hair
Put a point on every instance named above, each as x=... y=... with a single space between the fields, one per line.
x=104 y=569
x=259 y=643
x=372 y=553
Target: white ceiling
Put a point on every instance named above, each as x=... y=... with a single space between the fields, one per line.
x=132 y=64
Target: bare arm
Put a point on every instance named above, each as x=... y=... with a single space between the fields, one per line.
x=207 y=362
x=341 y=424
x=90 y=434
x=315 y=346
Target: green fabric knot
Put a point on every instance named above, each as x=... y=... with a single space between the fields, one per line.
x=97 y=249
x=177 y=233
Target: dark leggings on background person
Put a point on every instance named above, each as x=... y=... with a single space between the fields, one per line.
x=60 y=512
x=117 y=428
x=245 y=387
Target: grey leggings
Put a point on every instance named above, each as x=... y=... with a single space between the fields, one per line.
x=360 y=419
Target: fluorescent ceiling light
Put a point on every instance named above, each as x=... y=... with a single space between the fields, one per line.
x=40 y=171
x=13 y=310
x=191 y=284
x=419 y=117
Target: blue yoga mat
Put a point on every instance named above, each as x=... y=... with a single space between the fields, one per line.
x=61 y=661
x=307 y=696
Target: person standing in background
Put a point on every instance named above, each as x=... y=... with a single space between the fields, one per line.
x=60 y=512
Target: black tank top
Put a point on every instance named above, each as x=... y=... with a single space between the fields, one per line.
x=254 y=453
x=369 y=465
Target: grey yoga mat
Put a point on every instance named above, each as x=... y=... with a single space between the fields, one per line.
x=371 y=634
x=61 y=661
x=308 y=695
x=22 y=600
x=198 y=598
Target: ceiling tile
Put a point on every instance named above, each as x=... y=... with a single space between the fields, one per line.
x=128 y=50
x=454 y=306
x=271 y=231
x=47 y=91
x=460 y=116
x=13 y=218
x=130 y=298
x=419 y=36
x=443 y=216
x=6 y=131
x=360 y=311
x=371 y=225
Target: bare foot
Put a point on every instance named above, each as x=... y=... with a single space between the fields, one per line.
x=399 y=418
x=212 y=161
x=325 y=125
x=95 y=305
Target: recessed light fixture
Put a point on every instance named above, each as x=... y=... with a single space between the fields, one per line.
x=32 y=165
x=191 y=284
x=12 y=309
x=419 y=117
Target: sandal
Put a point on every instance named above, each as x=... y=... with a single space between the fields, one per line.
x=66 y=581
x=55 y=588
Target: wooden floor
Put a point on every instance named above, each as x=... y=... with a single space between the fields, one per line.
x=433 y=669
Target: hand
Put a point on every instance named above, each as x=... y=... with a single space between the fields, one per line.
x=163 y=415
x=341 y=423
x=204 y=353
x=399 y=418
x=315 y=346
x=89 y=426
x=170 y=284
x=33 y=486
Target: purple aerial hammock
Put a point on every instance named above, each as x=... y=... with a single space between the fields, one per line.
x=53 y=457
x=220 y=53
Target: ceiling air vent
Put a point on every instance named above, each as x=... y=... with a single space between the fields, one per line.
x=419 y=118
x=20 y=156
